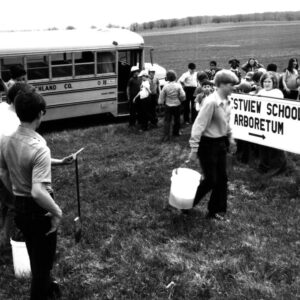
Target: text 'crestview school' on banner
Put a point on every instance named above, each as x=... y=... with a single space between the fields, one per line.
x=266 y=121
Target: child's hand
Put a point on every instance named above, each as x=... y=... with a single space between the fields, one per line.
x=67 y=160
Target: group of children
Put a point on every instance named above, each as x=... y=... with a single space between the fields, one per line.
x=187 y=96
x=143 y=90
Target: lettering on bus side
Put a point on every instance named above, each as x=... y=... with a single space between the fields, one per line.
x=46 y=88
x=68 y=86
x=102 y=82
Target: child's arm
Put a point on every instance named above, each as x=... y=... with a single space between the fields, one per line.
x=134 y=99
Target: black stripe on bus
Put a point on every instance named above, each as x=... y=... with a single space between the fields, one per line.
x=69 y=91
x=71 y=80
x=80 y=103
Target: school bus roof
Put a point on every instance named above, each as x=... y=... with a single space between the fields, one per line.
x=35 y=42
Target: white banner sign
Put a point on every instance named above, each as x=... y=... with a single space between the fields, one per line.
x=267 y=121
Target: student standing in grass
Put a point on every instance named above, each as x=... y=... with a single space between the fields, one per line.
x=213 y=69
x=234 y=67
x=144 y=101
x=171 y=96
x=133 y=88
x=251 y=65
x=9 y=123
x=189 y=83
x=25 y=161
x=289 y=80
x=18 y=74
x=207 y=87
x=210 y=141
x=272 y=161
x=155 y=91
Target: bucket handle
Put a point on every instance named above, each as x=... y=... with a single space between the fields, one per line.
x=183 y=165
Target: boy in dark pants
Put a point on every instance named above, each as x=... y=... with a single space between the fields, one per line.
x=155 y=91
x=189 y=83
x=25 y=165
x=210 y=141
x=133 y=88
x=171 y=96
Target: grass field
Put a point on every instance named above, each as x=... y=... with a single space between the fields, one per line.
x=131 y=247
x=268 y=42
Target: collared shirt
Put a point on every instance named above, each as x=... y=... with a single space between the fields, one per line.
x=154 y=85
x=172 y=94
x=25 y=156
x=188 y=79
x=145 y=89
x=212 y=120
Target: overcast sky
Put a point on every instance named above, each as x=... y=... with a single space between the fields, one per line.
x=42 y=14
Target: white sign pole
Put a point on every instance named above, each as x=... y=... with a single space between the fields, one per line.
x=266 y=121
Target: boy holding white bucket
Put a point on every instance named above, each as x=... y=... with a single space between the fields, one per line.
x=210 y=141
x=24 y=155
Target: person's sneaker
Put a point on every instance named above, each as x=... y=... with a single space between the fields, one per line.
x=219 y=217
x=216 y=216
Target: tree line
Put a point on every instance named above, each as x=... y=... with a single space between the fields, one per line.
x=188 y=21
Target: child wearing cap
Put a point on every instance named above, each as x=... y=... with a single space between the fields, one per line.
x=144 y=100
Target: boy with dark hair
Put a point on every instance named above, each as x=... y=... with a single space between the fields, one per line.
x=213 y=69
x=188 y=81
x=18 y=74
x=207 y=87
x=272 y=67
x=9 y=123
x=25 y=161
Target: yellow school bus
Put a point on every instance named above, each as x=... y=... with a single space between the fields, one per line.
x=79 y=73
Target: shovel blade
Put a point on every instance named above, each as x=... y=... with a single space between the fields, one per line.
x=77 y=229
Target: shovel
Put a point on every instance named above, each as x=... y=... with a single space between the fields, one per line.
x=77 y=220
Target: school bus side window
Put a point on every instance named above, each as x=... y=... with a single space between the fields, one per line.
x=37 y=67
x=84 y=63
x=61 y=65
x=106 y=62
x=7 y=63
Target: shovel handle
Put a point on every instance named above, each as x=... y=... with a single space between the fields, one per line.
x=77 y=187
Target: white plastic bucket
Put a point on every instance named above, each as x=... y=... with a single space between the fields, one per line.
x=20 y=259
x=184 y=184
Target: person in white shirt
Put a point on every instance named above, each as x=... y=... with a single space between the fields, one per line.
x=210 y=141
x=189 y=83
x=143 y=97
